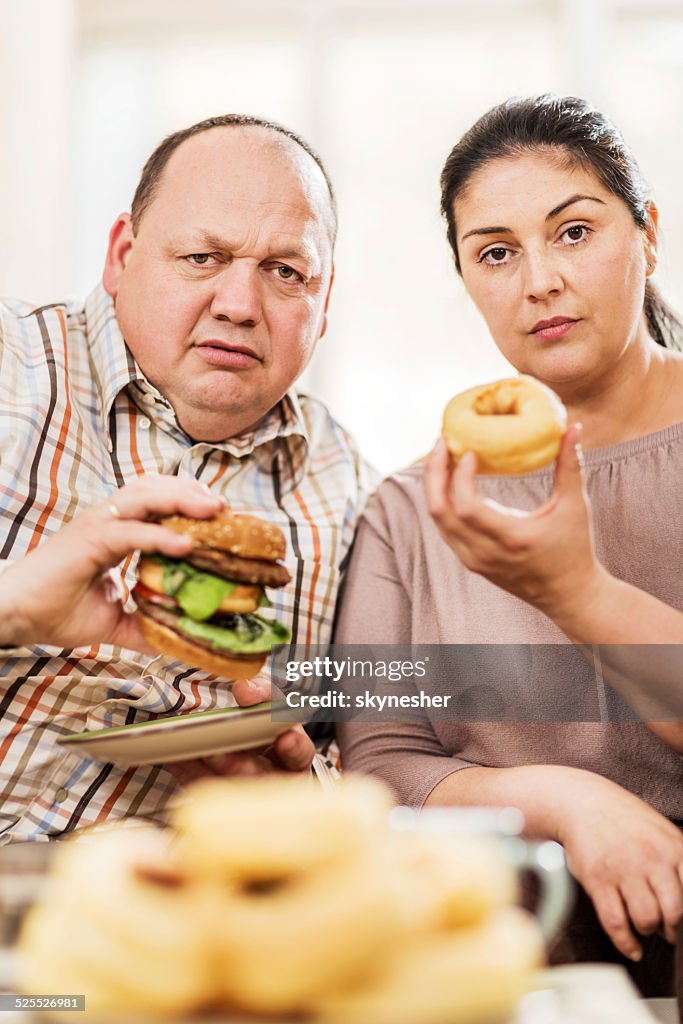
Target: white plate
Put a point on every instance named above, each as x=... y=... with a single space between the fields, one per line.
x=589 y=993
x=199 y=734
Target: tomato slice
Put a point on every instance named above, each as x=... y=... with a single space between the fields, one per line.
x=154 y=597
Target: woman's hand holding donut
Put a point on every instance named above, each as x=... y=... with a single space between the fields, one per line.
x=62 y=592
x=546 y=557
x=629 y=859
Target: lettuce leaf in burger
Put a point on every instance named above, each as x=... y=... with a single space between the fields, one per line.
x=204 y=609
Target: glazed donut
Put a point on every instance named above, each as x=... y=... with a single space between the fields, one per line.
x=282 y=946
x=512 y=426
x=470 y=976
x=117 y=924
x=449 y=883
x=266 y=829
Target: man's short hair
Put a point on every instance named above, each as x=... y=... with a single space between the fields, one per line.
x=151 y=172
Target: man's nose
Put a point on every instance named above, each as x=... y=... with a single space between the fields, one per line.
x=237 y=293
x=543 y=276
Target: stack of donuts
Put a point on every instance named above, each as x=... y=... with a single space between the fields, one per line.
x=270 y=897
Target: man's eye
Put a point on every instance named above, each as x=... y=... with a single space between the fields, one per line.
x=199 y=259
x=286 y=273
x=495 y=256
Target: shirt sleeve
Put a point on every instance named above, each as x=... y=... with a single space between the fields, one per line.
x=375 y=608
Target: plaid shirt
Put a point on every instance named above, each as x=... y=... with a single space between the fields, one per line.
x=79 y=421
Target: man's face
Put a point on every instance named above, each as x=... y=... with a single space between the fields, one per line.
x=221 y=295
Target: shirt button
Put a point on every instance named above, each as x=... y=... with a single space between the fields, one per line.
x=144 y=423
x=61 y=795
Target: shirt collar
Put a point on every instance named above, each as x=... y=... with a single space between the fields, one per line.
x=285 y=420
x=115 y=369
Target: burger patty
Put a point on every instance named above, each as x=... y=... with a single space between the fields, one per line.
x=232 y=567
x=169 y=619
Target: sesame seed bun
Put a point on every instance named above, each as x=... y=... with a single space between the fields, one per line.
x=243 y=535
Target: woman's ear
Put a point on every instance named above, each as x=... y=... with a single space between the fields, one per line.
x=650 y=241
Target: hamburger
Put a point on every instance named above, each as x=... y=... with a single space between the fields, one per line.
x=205 y=609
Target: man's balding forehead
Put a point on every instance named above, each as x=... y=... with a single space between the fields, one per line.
x=314 y=178
x=290 y=141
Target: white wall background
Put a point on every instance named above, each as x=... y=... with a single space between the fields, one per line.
x=382 y=88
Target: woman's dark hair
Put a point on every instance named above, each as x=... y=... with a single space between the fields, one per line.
x=588 y=139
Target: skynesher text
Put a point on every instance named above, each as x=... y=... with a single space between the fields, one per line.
x=334 y=699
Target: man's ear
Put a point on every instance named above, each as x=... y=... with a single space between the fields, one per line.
x=651 y=237
x=121 y=240
x=323 y=327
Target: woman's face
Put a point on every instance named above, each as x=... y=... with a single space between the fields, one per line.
x=556 y=265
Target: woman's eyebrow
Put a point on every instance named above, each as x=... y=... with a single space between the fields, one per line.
x=573 y=199
x=499 y=230
x=486 y=231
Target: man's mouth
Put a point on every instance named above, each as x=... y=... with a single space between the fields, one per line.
x=221 y=353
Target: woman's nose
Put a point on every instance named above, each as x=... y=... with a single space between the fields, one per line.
x=543 y=276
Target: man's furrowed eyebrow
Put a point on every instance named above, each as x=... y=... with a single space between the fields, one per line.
x=499 y=230
x=205 y=240
x=573 y=199
x=294 y=254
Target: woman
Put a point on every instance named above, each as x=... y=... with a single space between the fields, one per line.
x=556 y=242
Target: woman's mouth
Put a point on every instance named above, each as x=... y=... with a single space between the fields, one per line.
x=556 y=327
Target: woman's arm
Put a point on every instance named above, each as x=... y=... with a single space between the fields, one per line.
x=375 y=608
x=626 y=855
x=547 y=558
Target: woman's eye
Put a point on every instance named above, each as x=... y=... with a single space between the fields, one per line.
x=494 y=257
x=576 y=233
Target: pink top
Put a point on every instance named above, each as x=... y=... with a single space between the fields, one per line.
x=406 y=586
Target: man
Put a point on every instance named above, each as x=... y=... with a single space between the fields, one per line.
x=214 y=295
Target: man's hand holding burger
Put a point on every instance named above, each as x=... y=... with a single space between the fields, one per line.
x=62 y=592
